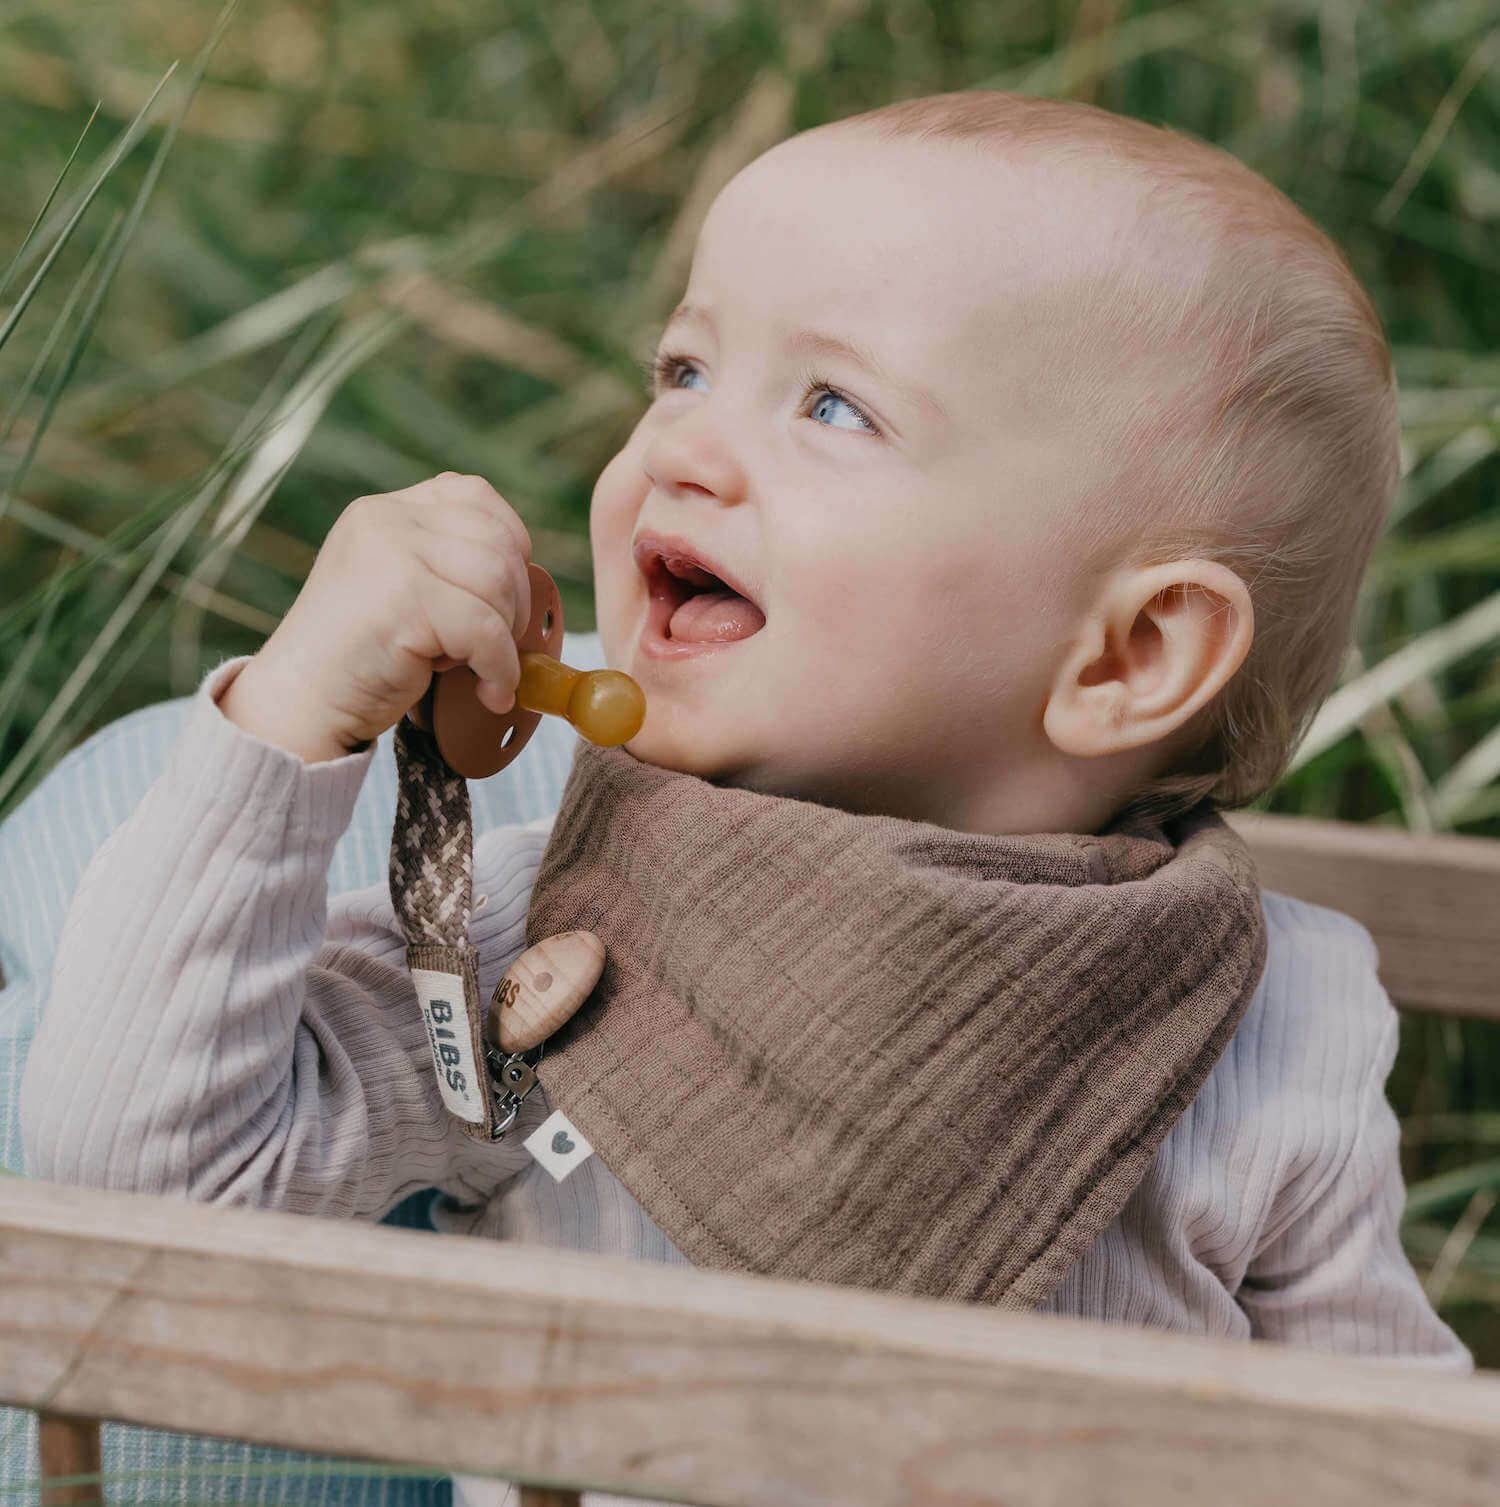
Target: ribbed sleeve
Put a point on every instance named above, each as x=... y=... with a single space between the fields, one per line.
x=213 y=1032
x=1272 y=1210
x=1329 y=1271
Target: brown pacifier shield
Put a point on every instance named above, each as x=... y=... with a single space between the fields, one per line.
x=474 y=741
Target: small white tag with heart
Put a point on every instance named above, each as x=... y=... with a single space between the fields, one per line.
x=558 y=1145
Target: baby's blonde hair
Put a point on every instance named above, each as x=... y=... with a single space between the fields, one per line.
x=1268 y=442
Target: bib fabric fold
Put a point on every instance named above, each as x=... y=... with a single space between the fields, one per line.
x=863 y=1049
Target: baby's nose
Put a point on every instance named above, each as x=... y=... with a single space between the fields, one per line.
x=691 y=455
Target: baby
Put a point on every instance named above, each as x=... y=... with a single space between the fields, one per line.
x=1033 y=456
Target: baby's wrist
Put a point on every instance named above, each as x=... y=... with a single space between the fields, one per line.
x=260 y=703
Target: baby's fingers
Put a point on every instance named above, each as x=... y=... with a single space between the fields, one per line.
x=496 y=575
x=450 y=494
x=466 y=629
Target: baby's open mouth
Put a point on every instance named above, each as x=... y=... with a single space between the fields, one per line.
x=690 y=604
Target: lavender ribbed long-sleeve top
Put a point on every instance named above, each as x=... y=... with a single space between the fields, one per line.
x=218 y=1029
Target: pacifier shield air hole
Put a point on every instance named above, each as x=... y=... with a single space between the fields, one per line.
x=474 y=741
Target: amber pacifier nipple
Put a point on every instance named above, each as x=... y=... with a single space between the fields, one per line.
x=606 y=706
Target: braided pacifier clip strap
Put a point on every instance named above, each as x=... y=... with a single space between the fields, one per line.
x=485 y=1063
x=431 y=882
x=484 y=1066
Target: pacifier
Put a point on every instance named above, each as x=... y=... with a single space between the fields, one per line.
x=605 y=706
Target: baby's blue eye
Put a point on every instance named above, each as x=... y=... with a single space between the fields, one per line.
x=667 y=372
x=662 y=372
x=829 y=403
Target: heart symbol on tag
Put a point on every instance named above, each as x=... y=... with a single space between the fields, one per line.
x=561 y=1144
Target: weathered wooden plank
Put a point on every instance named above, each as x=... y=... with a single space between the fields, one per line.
x=567 y=1369
x=1432 y=903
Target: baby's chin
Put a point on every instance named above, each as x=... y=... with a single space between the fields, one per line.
x=733 y=769
x=721 y=762
x=669 y=748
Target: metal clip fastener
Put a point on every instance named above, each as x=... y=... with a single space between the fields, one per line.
x=514 y=1077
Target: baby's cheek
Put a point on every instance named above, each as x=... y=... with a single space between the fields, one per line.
x=618 y=494
x=837 y=602
x=613 y=510
x=857 y=632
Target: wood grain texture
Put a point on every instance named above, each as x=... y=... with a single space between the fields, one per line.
x=69 y=1447
x=543 y=989
x=564 y=1369
x=1432 y=903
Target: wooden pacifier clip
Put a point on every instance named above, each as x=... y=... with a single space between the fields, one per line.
x=485 y=1061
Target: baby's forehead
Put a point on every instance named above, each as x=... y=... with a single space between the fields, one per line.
x=930 y=250
x=996 y=239
x=855 y=189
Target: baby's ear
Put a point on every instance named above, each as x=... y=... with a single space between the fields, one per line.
x=1156 y=646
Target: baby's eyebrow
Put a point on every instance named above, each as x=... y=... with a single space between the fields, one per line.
x=827 y=345
x=832 y=345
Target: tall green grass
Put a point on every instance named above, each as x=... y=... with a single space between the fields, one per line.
x=393 y=240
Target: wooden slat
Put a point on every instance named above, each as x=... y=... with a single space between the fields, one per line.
x=69 y=1447
x=1432 y=903
x=562 y=1368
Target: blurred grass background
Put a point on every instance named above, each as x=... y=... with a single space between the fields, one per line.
x=388 y=240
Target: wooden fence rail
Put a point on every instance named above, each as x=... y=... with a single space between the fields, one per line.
x=566 y=1369
x=1431 y=902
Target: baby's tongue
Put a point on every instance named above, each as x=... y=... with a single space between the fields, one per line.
x=715 y=617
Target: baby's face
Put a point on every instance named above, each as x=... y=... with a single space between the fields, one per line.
x=852 y=422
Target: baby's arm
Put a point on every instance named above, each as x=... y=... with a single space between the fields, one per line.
x=1331 y=1273
x=213 y=1031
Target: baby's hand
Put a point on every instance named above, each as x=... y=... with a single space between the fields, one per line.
x=406 y=584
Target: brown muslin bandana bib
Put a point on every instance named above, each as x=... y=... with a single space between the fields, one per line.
x=868 y=1050
x=847 y=1048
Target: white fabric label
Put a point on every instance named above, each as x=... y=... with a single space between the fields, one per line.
x=558 y=1145
x=443 y=1008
